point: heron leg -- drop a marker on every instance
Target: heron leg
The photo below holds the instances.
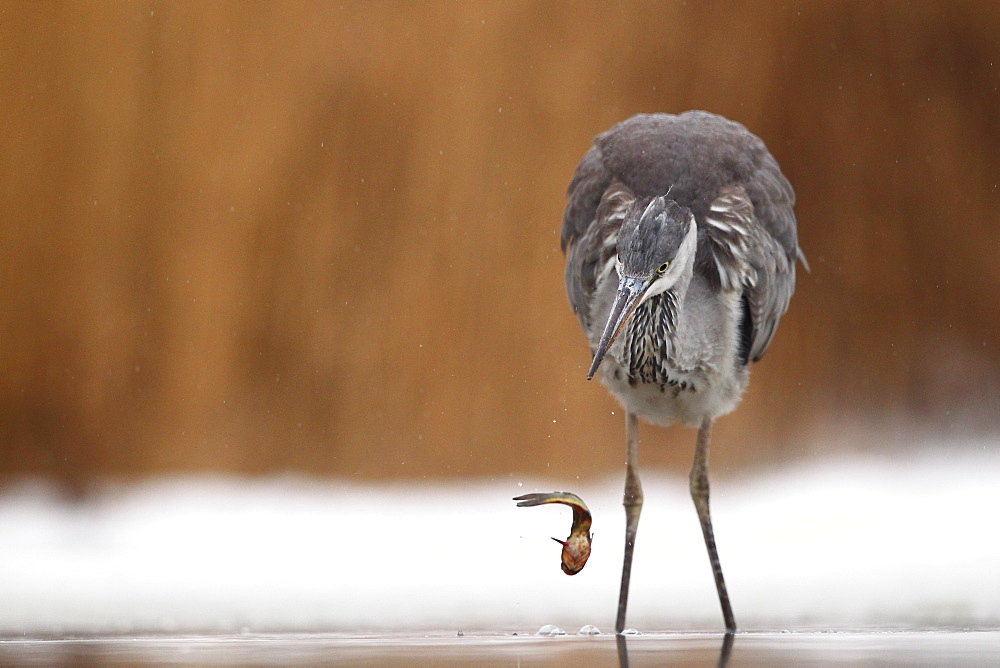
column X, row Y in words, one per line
column 699, row 492
column 633, row 506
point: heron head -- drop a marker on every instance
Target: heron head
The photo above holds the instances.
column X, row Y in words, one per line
column 656, row 247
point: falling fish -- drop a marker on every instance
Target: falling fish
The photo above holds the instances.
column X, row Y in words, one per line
column 576, row 548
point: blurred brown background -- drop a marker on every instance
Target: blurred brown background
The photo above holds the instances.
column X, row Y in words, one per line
column 324, row 237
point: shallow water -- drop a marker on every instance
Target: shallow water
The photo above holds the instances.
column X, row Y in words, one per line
column 839, row 648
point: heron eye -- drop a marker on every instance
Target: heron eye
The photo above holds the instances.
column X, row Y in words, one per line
column 662, row 268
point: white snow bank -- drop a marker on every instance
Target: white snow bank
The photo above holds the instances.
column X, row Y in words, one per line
column 844, row 543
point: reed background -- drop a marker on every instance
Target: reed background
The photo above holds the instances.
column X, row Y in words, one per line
column 324, row 237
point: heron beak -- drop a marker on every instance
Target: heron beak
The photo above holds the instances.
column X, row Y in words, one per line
column 630, row 292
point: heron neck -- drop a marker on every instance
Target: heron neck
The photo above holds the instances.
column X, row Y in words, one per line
column 650, row 339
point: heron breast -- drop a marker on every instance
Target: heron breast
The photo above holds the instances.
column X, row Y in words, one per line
column 649, row 346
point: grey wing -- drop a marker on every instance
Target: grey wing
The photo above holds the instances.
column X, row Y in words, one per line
column 581, row 231
column 751, row 247
column 772, row 253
